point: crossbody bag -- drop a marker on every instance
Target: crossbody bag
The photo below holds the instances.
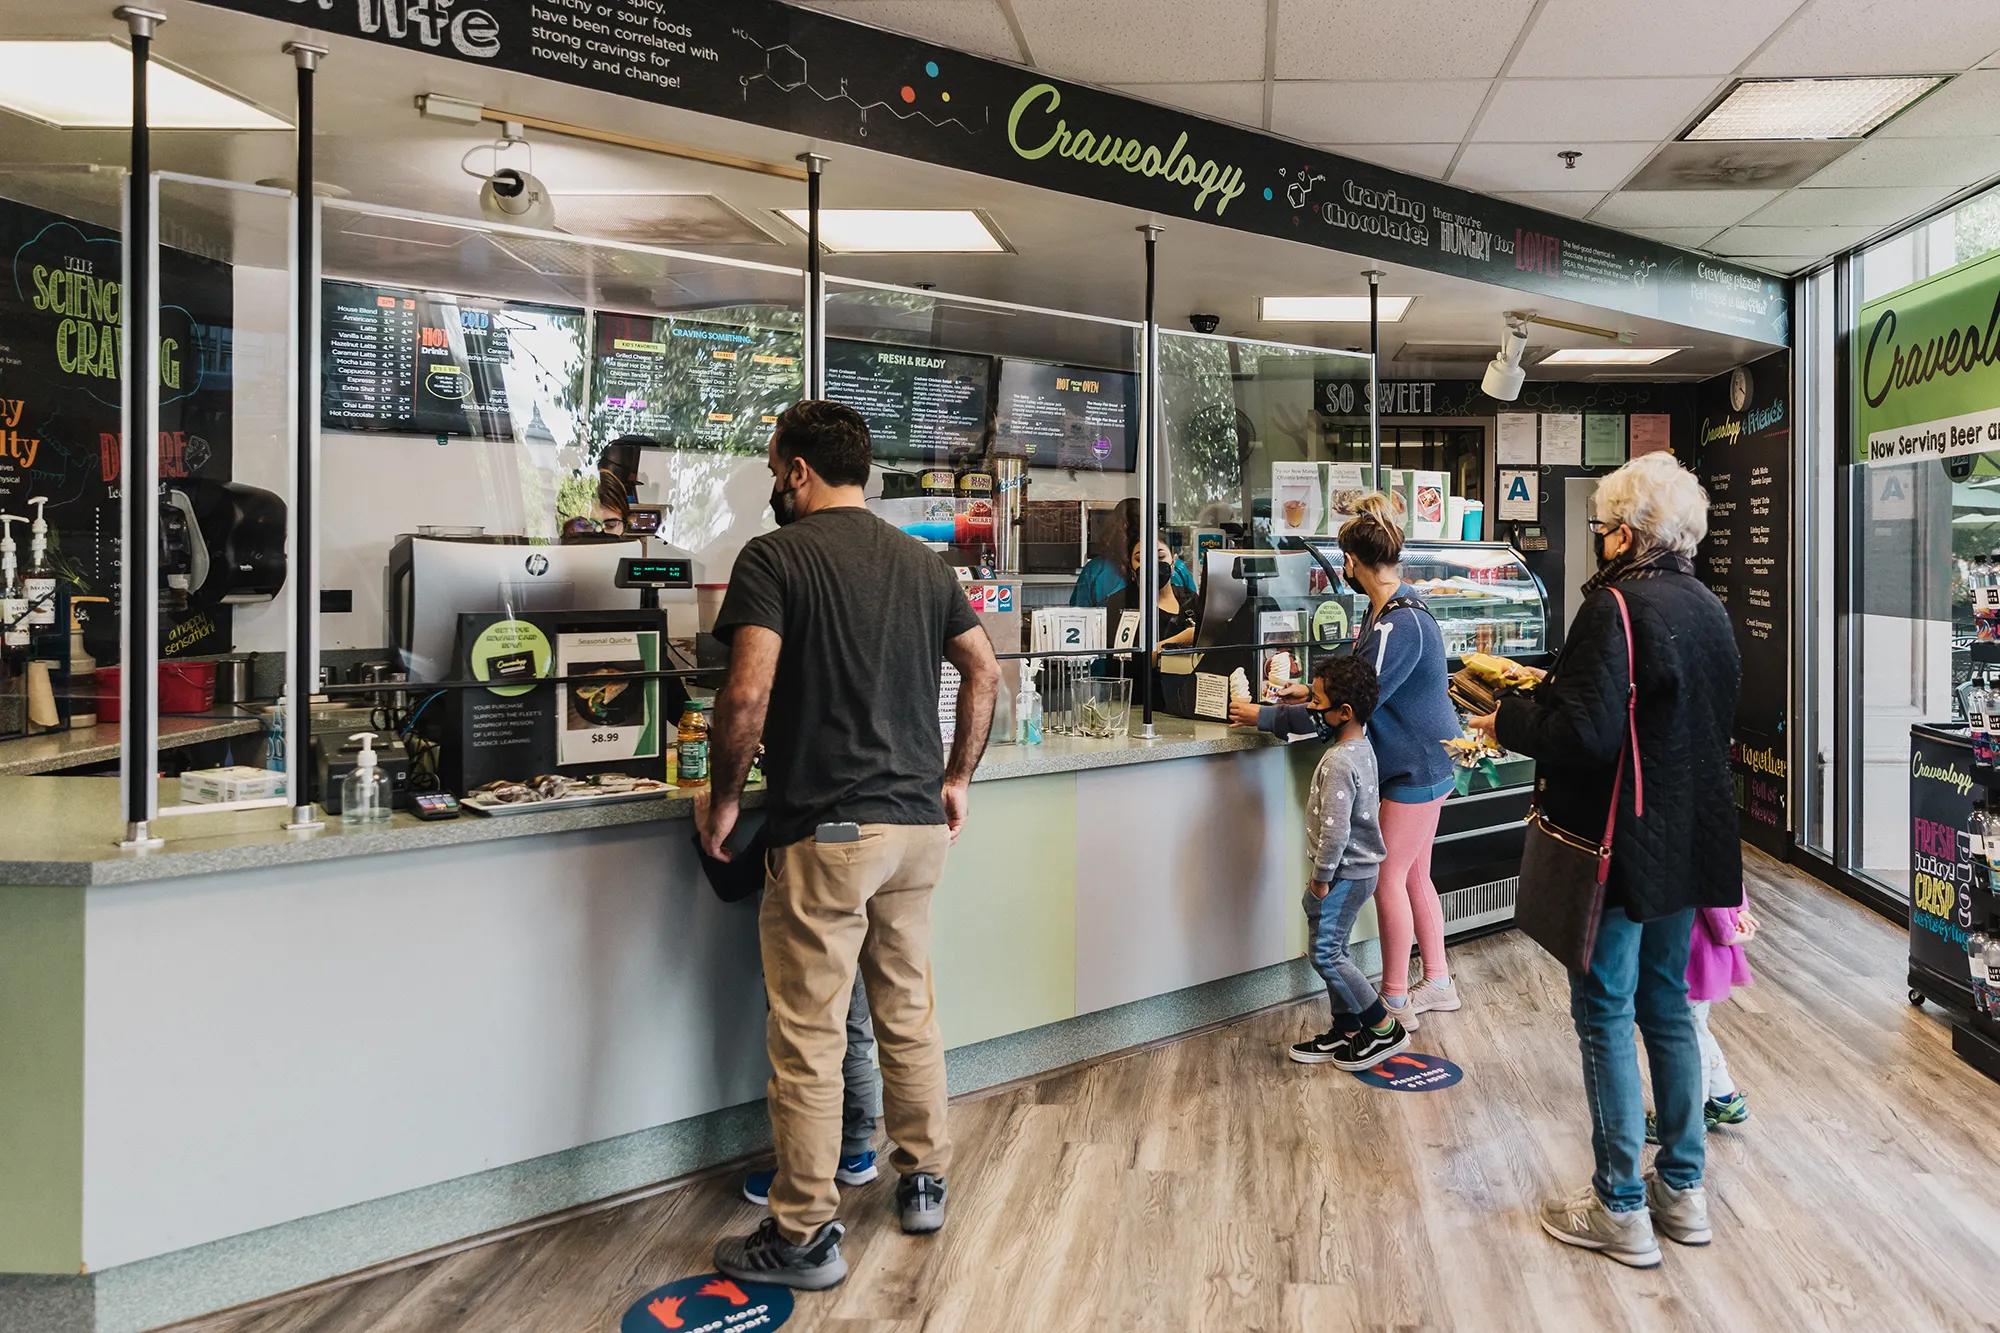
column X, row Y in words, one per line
column 1561, row 899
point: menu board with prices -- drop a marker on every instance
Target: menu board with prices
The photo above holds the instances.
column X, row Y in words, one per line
column 693, row 383
column 1745, row 465
column 1067, row 416
column 920, row 405
column 432, row 363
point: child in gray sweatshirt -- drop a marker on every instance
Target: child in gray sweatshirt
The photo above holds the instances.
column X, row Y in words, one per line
column 1344, row 842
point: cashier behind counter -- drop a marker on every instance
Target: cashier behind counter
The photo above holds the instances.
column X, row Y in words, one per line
column 1176, row 613
column 1106, row 575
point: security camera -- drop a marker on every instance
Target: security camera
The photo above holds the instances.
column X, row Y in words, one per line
column 1504, row 376
column 515, row 196
column 1204, row 323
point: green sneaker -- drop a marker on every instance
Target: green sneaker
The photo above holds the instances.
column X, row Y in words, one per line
column 1731, row 1110
column 1653, row 1129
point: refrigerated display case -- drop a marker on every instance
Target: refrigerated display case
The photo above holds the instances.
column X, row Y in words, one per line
column 1485, row 599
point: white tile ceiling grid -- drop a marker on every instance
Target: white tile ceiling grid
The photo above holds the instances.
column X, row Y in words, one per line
column 1486, row 93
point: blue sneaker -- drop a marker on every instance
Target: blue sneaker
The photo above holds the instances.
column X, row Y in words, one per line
column 856, row 1170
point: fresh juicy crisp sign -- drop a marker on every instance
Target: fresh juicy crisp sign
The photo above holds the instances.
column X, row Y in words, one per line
column 1929, row 359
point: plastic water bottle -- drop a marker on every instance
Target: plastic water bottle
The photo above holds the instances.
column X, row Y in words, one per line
column 1978, row 700
column 1980, row 835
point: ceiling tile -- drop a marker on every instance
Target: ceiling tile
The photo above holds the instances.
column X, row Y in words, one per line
column 1736, row 164
column 1240, row 102
column 1570, row 203
column 1367, row 39
column 1494, row 167
column 1375, row 112
column 1850, row 207
column 1954, row 162
column 1536, row 110
column 1153, row 41
column 1425, row 159
column 1884, row 37
column 1594, row 38
column 1969, row 104
column 1681, row 208
column 1692, row 237
column 967, row 25
column 1789, row 240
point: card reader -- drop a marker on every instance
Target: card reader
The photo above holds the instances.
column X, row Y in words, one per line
column 429, row 805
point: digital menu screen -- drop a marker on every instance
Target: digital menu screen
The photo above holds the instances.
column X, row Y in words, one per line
column 1067, row 416
column 432, row 363
column 921, row 405
column 692, row 383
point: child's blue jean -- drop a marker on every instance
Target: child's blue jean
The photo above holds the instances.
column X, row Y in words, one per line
column 1329, row 922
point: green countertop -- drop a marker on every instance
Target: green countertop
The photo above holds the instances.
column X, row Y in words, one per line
column 64, row 830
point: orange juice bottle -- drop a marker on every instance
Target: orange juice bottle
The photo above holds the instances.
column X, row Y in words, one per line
column 691, row 754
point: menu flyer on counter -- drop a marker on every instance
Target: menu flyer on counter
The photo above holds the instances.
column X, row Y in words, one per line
column 618, row 718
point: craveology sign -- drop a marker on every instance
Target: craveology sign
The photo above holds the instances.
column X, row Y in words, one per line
column 817, row 75
column 1930, row 367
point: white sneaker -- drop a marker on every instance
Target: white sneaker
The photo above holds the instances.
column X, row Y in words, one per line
column 1407, row 1015
column 1582, row 1220
column 1427, row 995
column 1679, row 1215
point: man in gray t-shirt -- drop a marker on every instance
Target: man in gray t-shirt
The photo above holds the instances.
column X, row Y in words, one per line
column 838, row 626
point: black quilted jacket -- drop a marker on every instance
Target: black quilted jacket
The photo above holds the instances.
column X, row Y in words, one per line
column 1684, row 852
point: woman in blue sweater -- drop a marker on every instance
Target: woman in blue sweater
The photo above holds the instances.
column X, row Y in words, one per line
column 1412, row 720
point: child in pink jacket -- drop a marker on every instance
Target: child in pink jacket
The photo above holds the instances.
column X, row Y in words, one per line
column 1716, row 965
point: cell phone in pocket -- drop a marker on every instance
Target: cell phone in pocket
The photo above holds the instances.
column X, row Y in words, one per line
column 837, row 833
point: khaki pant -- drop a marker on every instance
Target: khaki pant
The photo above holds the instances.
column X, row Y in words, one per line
column 827, row 907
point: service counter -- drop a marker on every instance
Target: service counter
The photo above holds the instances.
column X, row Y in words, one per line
column 254, row 1059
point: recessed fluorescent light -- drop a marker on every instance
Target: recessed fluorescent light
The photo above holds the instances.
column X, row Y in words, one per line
column 1810, row 108
column 86, row 85
column 860, row 231
column 1607, row 356
column 1328, row 309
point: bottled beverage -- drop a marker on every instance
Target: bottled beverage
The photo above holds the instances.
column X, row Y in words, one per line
column 691, row 751
column 1978, row 700
column 1980, row 835
column 364, row 792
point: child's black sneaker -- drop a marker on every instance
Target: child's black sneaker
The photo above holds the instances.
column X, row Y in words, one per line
column 1317, row 1050
column 1367, row 1048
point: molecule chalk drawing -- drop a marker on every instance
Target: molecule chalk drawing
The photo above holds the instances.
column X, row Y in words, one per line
column 786, row 70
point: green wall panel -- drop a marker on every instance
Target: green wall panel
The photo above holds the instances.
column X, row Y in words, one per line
column 41, row 1080
column 1003, row 925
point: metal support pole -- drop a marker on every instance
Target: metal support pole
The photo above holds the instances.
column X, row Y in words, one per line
column 305, row 573
column 815, row 385
column 1149, row 487
column 1374, row 276
column 1848, row 477
column 142, row 458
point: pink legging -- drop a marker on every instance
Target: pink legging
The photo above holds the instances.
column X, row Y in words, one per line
column 1406, row 902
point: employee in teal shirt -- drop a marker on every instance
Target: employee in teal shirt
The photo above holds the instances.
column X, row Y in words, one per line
column 1105, row 576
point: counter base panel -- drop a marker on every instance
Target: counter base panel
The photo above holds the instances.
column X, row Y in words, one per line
column 232, row 1271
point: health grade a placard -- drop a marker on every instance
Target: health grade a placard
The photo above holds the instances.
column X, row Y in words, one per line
column 615, row 718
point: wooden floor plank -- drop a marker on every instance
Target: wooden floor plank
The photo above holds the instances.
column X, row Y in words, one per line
column 1212, row 1184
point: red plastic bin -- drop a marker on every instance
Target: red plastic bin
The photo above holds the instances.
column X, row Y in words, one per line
column 185, row 687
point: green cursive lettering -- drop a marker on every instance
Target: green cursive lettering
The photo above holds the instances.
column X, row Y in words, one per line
column 1021, row 104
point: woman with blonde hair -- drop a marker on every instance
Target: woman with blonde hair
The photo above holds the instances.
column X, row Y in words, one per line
column 1639, row 707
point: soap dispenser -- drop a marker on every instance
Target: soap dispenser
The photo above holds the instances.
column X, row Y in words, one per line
column 364, row 793
column 40, row 583
column 13, row 596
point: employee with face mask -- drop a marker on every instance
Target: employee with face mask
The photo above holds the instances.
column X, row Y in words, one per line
column 1174, row 608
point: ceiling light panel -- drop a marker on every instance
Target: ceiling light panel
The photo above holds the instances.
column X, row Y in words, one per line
column 1608, row 356
column 85, row 86
column 1328, row 309
column 860, row 231
column 1810, row 108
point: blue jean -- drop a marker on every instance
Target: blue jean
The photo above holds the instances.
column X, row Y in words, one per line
column 1329, row 923
column 1639, row 972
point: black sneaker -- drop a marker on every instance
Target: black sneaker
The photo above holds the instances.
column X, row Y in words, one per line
column 920, row 1200
column 1367, row 1048
column 1317, row 1050
column 766, row 1256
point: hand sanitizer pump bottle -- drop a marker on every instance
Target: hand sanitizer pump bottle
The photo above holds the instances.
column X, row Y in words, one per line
column 40, row 583
column 364, row 793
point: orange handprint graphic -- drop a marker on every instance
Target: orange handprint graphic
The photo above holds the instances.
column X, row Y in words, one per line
column 726, row 1289
column 667, row 1309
